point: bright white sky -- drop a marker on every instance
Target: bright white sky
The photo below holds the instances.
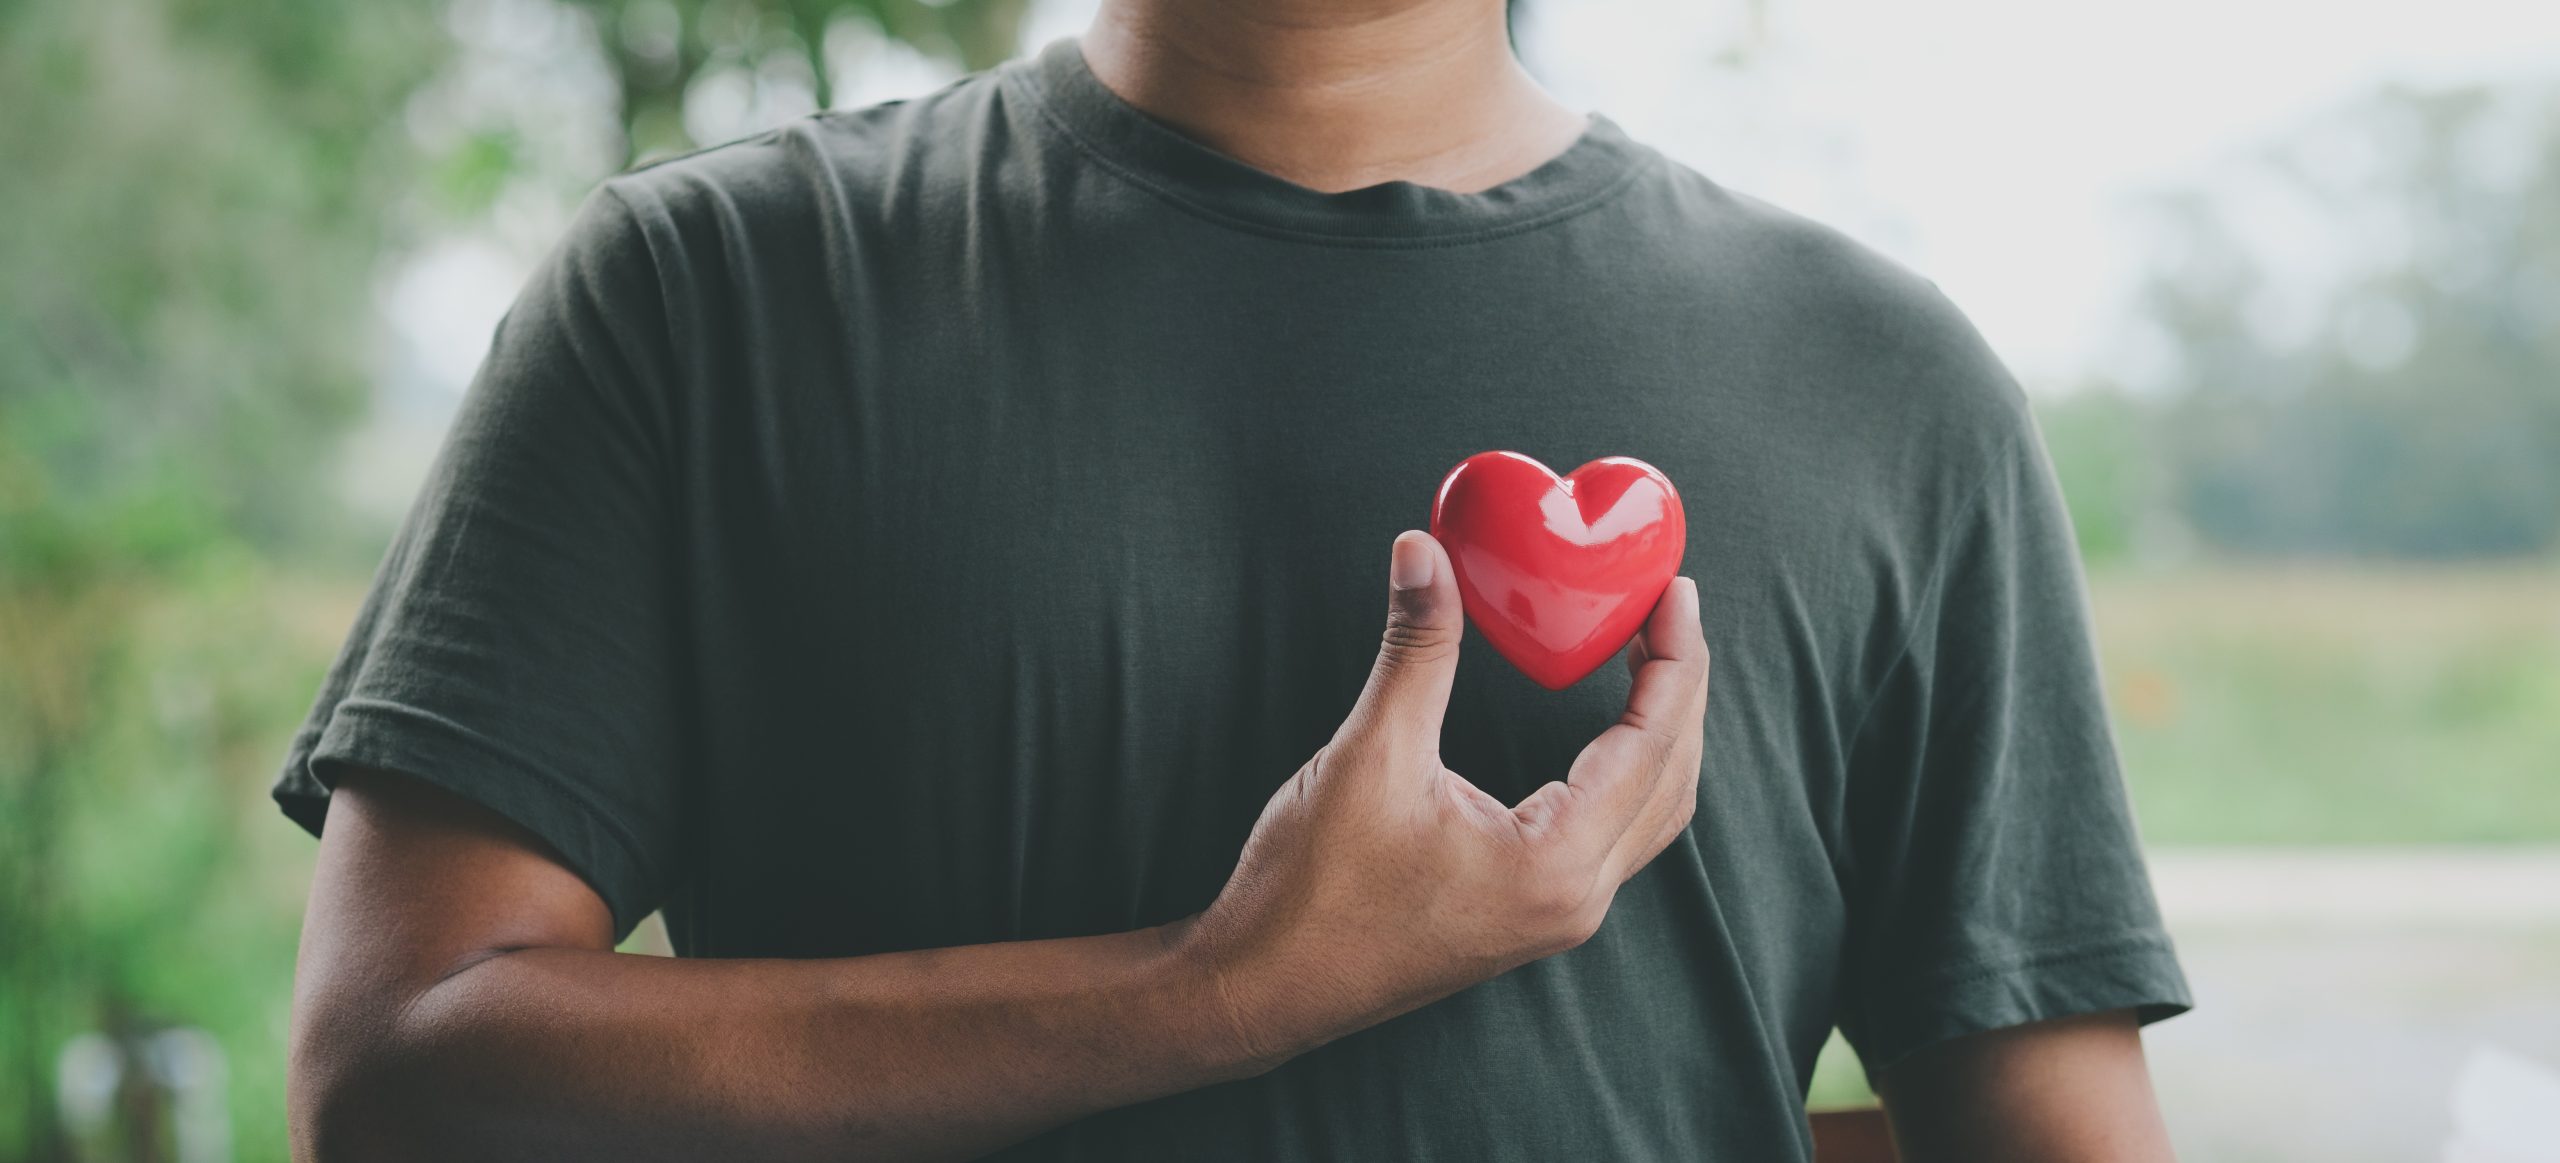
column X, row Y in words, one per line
column 1994, row 145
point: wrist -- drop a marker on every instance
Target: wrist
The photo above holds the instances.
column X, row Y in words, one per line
column 1211, row 982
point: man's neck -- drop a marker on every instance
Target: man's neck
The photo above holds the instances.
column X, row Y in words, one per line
column 1336, row 94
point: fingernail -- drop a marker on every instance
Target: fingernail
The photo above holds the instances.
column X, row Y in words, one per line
column 1691, row 586
column 1410, row 566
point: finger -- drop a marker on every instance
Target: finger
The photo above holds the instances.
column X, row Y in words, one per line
column 1672, row 679
column 1635, row 654
column 1408, row 689
column 1675, row 801
column 1618, row 774
column 1665, row 816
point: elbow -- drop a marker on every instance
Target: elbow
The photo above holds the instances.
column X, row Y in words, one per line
column 328, row 1120
column 336, row 1100
column 347, row 1094
column 373, row 1072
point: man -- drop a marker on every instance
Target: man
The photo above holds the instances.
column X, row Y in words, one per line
column 915, row 548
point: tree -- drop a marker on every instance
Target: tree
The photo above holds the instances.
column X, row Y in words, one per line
column 658, row 47
column 2364, row 315
column 201, row 194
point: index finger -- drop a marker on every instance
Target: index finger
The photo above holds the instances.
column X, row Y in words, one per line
column 1614, row 777
column 1673, row 672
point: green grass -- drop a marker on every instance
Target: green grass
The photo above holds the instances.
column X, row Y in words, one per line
column 2337, row 707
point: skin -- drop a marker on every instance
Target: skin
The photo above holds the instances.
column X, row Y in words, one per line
column 1337, row 94
column 2070, row 1090
column 458, row 995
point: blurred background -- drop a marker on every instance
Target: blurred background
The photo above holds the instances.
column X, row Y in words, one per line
column 2283, row 276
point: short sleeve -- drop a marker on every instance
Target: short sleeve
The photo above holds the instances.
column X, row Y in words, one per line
column 520, row 644
column 1998, row 878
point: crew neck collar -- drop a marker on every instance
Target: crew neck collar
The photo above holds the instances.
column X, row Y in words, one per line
column 1209, row 183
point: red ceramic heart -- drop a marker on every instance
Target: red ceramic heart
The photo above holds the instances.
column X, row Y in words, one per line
column 1559, row 572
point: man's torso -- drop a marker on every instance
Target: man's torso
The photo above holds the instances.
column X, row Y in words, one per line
column 1034, row 520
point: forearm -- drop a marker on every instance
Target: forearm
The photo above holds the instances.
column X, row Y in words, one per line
column 457, row 996
column 553, row 1052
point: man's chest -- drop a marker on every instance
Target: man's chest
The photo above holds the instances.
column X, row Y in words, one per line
column 1010, row 624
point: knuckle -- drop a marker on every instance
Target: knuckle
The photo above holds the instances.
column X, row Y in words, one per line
column 1578, row 927
column 1415, row 639
column 1564, row 910
column 1662, row 748
column 1688, row 732
column 1556, row 903
column 1550, row 868
column 1311, row 774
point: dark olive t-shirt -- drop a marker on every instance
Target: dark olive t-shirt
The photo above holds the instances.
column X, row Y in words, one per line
column 949, row 521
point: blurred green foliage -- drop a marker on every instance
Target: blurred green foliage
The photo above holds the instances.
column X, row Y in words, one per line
column 657, row 47
column 190, row 227
column 2402, row 405
column 193, row 216
column 202, row 194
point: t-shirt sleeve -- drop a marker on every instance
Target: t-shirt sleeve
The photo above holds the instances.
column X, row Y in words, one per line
column 1998, row 877
column 520, row 644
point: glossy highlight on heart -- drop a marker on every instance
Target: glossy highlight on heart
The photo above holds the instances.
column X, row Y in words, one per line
column 1559, row 572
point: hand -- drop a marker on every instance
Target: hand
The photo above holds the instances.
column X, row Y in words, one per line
column 1378, row 880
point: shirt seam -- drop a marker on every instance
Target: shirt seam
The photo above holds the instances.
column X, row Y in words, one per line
column 1040, row 100
column 661, row 236
column 2114, row 944
column 642, row 224
column 394, row 711
column 1939, row 997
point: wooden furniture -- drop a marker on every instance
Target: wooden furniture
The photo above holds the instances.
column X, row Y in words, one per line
column 1852, row 1135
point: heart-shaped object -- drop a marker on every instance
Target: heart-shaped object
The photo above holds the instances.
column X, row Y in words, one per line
column 1559, row 572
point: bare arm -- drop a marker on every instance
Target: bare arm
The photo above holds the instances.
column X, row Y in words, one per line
column 458, row 996
column 2071, row 1090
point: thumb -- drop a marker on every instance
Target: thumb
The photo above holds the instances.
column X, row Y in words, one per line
column 1408, row 688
